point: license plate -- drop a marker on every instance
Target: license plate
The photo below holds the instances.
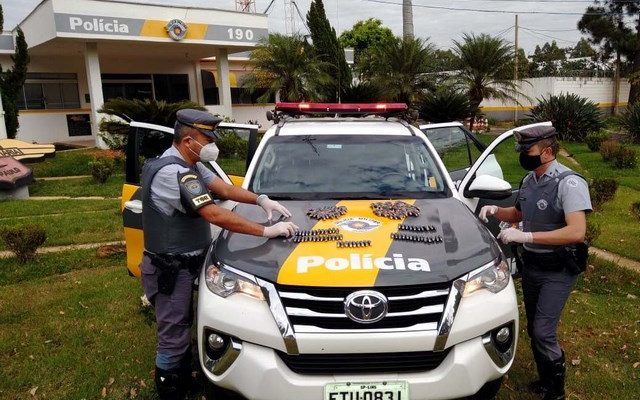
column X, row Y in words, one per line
column 367, row 391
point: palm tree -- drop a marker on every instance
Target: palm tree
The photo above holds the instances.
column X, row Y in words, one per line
column 485, row 70
column 407, row 19
column 286, row 66
column 401, row 69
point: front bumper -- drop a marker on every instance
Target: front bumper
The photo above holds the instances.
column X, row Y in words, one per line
column 257, row 372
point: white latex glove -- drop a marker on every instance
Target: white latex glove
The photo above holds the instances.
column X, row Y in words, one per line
column 487, row 211
column 513, row 235
column 280, row 229
column 269, row 206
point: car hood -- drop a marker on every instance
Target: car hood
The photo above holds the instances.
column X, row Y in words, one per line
column 466, row 245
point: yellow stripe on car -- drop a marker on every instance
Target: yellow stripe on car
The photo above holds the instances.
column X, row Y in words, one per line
column 323, row 264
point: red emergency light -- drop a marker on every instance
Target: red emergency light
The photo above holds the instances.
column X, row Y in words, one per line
column 341, row 108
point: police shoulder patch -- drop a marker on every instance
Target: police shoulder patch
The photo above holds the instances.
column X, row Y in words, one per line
column 193, row 190
column 572, row 182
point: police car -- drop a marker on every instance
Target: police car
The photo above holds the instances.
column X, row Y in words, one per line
column 392, row 290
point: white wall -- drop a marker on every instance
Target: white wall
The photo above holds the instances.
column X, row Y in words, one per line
column 47, row 127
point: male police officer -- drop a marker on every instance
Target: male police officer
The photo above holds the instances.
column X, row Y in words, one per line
column 552, row 204
column 177, row 210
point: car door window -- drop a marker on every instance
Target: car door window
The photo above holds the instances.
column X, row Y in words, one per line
column 503, row 163
column 454, row 147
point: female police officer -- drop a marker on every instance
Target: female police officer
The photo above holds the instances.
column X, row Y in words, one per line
column 177, row 210
column 551, row 204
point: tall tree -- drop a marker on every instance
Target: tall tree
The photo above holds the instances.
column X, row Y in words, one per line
column 582, row 49
column 286, row 66
column 365, row 35
column 401, row 69
column 614, row 25
column 12, row 80
column 547, row 60
column 325, row 42
column 407, row 19
column 486, row 70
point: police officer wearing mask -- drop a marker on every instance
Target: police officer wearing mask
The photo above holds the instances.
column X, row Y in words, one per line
column 178, row 208
column 552, row 205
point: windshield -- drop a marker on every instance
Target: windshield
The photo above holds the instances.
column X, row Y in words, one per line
column 347, row 166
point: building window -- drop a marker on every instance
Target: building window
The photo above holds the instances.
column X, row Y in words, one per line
column 49, row 91
column 168, row 87
column 239, row 95
column 209, row 88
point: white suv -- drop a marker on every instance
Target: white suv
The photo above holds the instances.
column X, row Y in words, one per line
column 393, row 290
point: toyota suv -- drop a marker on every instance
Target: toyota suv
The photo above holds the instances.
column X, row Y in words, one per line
column 393, row 289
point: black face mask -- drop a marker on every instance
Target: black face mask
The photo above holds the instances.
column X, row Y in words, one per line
column 530, row 162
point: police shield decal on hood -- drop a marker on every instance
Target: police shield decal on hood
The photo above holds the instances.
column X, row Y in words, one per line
column 466, row 245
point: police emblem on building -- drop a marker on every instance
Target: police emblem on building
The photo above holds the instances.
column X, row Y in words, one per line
column 176, row 29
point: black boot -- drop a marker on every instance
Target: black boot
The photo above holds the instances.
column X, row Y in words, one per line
column 539, row 386
column 555, row 386
column 170, row 384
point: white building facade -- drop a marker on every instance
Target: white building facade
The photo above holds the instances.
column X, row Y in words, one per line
column 84, row 52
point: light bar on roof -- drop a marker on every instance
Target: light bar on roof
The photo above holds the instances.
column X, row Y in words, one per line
column 341, row 108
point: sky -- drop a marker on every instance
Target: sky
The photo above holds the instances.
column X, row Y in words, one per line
column 441, row 26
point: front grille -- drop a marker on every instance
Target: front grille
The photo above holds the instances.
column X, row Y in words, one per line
column 309, row 364
column 318, row 309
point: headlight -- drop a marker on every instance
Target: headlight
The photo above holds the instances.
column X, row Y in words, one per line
column 225, row 283
column 493, row 277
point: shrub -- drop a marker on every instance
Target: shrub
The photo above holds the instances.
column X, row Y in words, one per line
column 573, row 116
column 102, row 168
column 625, row 157
column 608, row 149
column 593, row 231
column 629, row 121
column 602, row 190
column 231, row 145
column 445, row 105
column 595, row 139
column 24, row 240
column 635, row 209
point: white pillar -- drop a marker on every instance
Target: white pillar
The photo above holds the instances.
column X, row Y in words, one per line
column 3, row 127
column 94, row 81
column 224, row 88
column 199, row 91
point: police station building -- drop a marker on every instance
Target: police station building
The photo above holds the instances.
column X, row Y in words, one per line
column 84, row 52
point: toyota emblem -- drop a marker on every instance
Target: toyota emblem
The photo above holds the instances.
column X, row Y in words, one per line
column 365, row 306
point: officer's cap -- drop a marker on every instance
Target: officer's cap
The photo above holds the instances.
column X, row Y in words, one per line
column 200, row 120
column 529, row 136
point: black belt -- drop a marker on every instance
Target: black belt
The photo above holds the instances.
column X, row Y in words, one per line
column 169, row 266
column 543, row 261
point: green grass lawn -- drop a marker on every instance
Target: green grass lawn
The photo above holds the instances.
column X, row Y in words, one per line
column 620, row 230
column 78, row 187
column 82, row 334
column 595, row 167
column 66, row 221
column 66, row 163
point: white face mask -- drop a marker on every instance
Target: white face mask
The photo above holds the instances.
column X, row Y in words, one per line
column 208, row 152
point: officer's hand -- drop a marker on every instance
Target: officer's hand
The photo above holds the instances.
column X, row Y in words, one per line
column 513, row 235
column 487, row 211
column 269, row 206
column 280, row 229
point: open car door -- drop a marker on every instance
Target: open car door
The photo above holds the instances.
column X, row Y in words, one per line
column 457, row 147
column 494, row 179
column 148, row 141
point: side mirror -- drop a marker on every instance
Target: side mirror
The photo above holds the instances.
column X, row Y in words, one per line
column 488, row 187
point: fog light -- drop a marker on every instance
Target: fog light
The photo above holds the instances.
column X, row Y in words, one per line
column 503, row 335
column 216, row 342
